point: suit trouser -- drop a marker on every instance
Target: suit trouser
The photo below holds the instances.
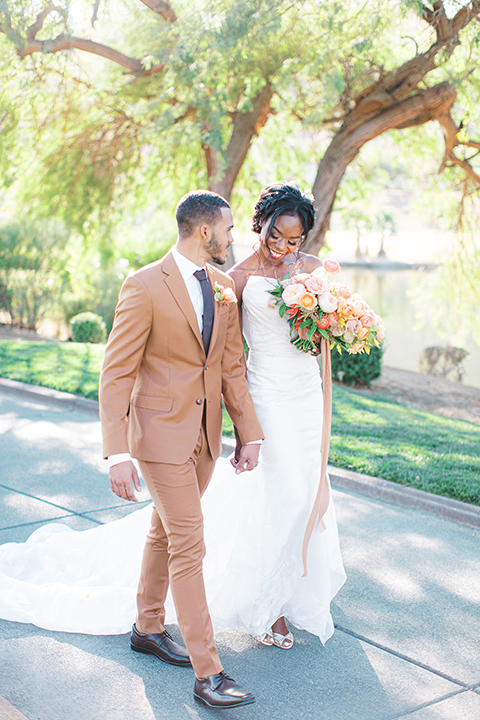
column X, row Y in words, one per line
column 174, row 553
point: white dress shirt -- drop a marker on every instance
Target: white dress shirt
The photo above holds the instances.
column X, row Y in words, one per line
column 187, row 268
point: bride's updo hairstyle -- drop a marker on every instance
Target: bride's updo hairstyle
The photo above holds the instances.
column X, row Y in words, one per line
column 283, row 199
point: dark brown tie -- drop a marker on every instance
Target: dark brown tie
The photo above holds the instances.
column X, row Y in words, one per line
column 208, row 308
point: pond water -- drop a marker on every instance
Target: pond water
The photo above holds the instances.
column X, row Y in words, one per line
column 389, row 293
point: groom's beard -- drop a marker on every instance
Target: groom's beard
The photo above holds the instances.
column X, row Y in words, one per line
column 214, row 249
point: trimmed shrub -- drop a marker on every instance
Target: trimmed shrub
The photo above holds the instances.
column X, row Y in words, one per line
column 88, row 327
column 358, row 369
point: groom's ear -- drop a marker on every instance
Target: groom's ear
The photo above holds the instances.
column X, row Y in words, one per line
column 204, row 229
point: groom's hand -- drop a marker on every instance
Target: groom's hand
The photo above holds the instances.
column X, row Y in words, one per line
column 123, row 478
column 247, row 458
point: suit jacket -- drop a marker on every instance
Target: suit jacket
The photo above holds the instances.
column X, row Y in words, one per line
column 156, row 379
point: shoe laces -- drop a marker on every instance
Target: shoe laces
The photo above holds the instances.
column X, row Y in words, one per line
column 224, row 676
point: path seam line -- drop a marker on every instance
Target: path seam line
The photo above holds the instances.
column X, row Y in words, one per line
column 402, row 656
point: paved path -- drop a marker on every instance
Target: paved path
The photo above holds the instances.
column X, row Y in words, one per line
column 407, row 643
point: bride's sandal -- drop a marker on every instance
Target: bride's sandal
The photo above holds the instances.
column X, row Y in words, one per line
column 285, row 642
column 266, row 639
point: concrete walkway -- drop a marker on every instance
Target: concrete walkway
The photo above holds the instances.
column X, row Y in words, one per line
column 407, row 643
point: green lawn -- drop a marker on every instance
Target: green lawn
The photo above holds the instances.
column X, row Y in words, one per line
column 373, row 435
column 377, row 436
column 71, row 367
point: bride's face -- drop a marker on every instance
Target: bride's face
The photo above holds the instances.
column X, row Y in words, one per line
column 282, row 238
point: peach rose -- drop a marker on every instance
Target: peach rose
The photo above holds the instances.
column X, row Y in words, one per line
column 316, row 284
column 331, row 266
column 300, row 278
column 345, row 308
column 381, row 333
column 336, row 330
column 359, row 306
column 292, row 294
column 334, row 319
column 308, row 301
column 344, row 291
column 362, row 333
column 368, row 319
column 327, row 302
column 353, row 325
column 348, row 336
column 229, row 295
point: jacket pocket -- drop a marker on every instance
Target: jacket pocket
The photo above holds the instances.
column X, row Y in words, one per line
column 153, row 402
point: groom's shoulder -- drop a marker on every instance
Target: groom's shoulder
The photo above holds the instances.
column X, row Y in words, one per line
column 219, row 276
column 154, row 270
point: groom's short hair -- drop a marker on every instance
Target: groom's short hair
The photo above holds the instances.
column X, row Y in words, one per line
column 196, row 207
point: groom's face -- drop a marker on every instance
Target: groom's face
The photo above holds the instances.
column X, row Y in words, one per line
column 220, row 237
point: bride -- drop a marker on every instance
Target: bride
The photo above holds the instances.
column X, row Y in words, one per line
column 254, row 526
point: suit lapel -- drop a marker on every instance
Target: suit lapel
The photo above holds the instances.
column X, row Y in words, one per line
column 177, row 287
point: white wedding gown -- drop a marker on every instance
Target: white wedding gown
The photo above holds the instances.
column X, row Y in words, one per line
column 61, row 579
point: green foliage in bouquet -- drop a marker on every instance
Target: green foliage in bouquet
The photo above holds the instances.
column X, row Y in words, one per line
column 88, row 328
column 358, row 369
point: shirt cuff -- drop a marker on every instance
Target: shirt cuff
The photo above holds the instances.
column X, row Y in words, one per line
column 118, row 458
column 254, row 442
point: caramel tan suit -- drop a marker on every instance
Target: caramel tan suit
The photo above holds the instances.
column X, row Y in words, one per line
column 161, row 400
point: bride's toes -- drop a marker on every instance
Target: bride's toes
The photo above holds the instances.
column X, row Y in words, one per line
column 285, row 642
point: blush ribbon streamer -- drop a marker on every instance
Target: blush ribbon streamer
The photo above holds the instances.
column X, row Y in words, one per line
column 322, row 498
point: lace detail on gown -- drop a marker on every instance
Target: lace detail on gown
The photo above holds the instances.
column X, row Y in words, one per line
column 254, row 523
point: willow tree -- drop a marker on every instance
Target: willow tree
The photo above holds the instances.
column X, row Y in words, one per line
column 185, row 88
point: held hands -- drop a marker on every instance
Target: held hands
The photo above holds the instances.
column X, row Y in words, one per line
column 245, row 458
column 123, row 478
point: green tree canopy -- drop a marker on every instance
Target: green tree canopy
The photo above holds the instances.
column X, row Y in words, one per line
column 108, row 104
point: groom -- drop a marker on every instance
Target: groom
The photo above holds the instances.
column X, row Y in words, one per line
column 174, row 352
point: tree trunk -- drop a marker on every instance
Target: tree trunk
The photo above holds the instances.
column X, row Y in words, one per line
column 222, row 175
column 418, row 109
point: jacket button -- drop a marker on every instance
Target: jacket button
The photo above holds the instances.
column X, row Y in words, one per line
column 206, row 367
column 198, row 401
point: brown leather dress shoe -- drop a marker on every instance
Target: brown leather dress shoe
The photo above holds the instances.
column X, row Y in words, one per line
column 221, row 691
column 161, row 645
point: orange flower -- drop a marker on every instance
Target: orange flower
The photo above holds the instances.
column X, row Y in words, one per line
column 323, row 323
column 308, row 301
column 345, row 308
column 358, row 347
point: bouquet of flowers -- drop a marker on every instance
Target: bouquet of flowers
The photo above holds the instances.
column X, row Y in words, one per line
column 316, row 308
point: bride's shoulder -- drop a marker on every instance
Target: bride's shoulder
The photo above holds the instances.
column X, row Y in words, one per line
column 247, row 265
column 308, row 263
column 240, row 273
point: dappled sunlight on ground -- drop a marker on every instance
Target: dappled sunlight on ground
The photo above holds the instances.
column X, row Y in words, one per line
column 412, row 582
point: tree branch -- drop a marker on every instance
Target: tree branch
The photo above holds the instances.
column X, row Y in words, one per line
column 464, row 16
column 68, row 42
column 425, row 105
column 95, row 12
column 161, row 8
column 447, row 30
column 38, row 24
column 450, row 133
